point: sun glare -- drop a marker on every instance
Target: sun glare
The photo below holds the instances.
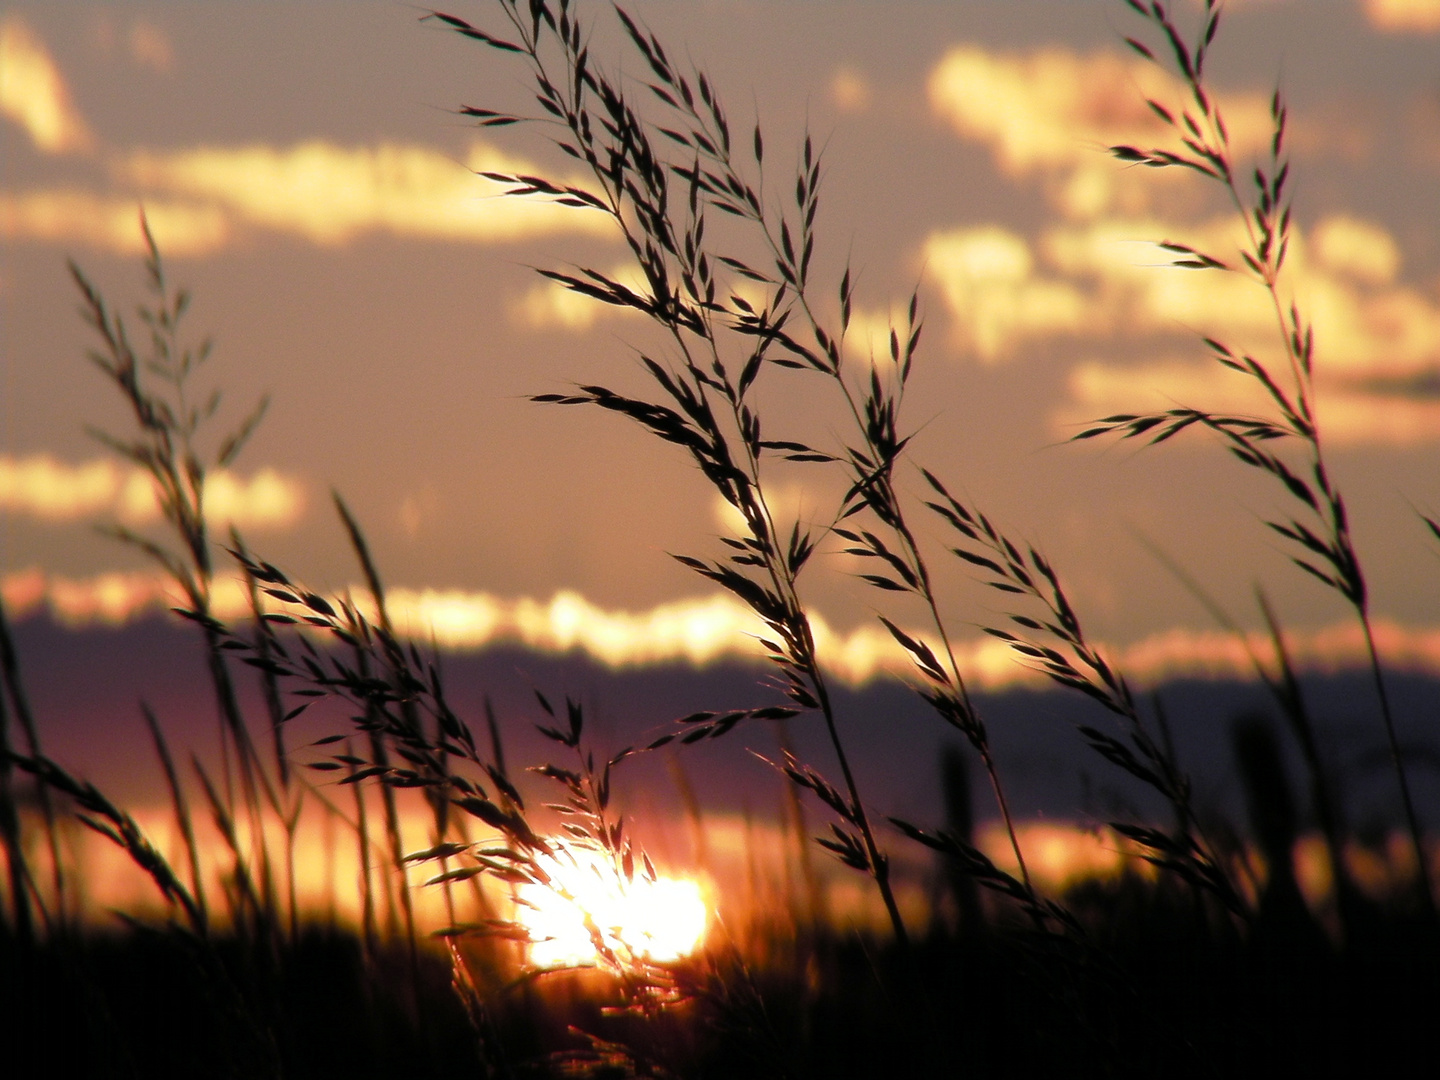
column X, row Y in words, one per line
column 658, row 920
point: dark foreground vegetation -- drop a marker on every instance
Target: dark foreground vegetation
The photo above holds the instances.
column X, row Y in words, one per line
column 1158, row 996
column 1210, row 962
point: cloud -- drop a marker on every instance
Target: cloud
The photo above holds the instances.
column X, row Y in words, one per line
column 46, row 489
column 111, row 599
column 1357, row 249
column 788, row 502
column 1050, row 108
column 1404, row 16
column 988, row 278
column 150, row 48
column 1099, row 388
column 1348, row 415
column 869, row 333
column 1343, row 276
column 112, row 222
column 705, row 630
column 1055, row 112
column 267, row 500
column 549, row 305
column 53, row 491
column 33, row 93
column 1377, row 337
column 332, row 194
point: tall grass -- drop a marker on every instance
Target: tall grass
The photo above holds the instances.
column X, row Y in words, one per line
column 1319, row 527
column 658, row 178
column 1129, row 977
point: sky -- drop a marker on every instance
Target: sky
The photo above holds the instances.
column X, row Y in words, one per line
column 306, row 174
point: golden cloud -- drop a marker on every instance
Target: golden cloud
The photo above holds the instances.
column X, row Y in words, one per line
column 1375, row 335
column 1356, row 249
column 1130, row 287
column 705, row 630
column 33, row 93
column 1348, row 416
column 788, row 502
column 988, row 278
column 869, row 332
column 1056, row 112
column 331, row 194
column 1098, row 388
column 549, row 305
column 51, row 490
column 112, row 223
column 1404, row 16
column 1050, row 108
column 1366, row 324
column 1377, row 340
column 267, row 500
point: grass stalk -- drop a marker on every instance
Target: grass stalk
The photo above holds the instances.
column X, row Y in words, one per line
column 604, row 129
column 362, row 838
column 14, row 690
column 379, row 749
column 181, row 810
column 16, row 864
column 1320, row 532
column 1424, row 891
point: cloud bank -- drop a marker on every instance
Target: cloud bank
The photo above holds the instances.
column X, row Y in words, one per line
column 706, row 630
column 44, row 488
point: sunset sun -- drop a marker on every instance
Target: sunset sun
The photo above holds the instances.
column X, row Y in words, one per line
column 658, row 920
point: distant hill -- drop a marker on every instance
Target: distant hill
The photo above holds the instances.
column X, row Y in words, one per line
column 86, row 685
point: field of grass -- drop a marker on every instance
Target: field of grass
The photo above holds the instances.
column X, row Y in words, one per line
column 393, row 893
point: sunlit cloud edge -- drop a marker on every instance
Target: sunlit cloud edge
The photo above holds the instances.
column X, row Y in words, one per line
column 705, row 630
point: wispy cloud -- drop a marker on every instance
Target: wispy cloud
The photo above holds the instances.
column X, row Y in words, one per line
column 42, row 487
column 33, row 93
column 112, row 223
column 1404, row 16
column 203, row 200
column 332, row 194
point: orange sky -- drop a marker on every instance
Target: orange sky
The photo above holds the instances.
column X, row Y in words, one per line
column 304, row 172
